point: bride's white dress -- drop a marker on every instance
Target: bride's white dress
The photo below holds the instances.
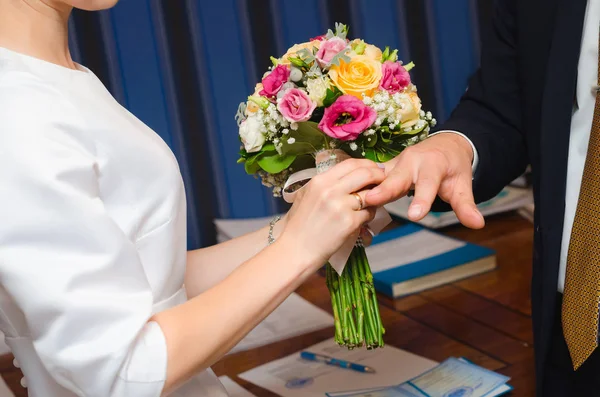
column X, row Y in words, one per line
column 92, row 237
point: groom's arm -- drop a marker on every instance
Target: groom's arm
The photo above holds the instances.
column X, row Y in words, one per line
column 489, row 113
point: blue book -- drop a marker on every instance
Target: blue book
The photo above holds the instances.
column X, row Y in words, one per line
column 412, row 258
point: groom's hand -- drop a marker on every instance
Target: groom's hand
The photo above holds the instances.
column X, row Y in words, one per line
column 438, row 166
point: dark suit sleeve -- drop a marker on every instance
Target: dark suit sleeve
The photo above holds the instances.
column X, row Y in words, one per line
column 489, row 112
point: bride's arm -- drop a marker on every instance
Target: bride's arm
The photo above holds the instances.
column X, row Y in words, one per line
column 208, row 266
column 206, row 327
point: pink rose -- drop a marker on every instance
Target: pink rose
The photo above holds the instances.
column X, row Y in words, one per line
column 347, row 118
column 273, row 82
column 330, row 49
column 395, row 78
column 295, row 105
column 320, row 38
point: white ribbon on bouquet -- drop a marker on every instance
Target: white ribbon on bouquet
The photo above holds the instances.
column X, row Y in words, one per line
column 381, row 220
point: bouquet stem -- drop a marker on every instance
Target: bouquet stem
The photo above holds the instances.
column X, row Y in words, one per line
column 354, row 302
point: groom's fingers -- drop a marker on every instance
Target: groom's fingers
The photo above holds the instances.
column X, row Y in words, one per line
column 426, row 190
column 396, row 184
column 463, row 204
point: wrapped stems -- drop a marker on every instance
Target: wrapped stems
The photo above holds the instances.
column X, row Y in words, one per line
column 354, row 302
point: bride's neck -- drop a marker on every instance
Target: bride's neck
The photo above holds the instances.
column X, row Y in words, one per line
column 38, row 28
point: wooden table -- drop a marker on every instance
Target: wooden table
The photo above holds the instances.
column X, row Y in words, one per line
column 485, row 318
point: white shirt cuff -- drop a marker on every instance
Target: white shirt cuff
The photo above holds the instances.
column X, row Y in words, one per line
column 475, row 155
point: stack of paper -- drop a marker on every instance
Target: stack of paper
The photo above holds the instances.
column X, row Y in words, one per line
column 453, row 377
column 509, row 199
column 412, row 258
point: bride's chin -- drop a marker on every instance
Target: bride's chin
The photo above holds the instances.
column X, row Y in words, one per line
column 92, row 5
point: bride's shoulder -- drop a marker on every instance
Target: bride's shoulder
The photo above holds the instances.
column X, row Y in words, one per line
column 31, row 107
column 25, row 92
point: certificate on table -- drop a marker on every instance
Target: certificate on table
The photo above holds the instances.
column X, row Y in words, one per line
column 455, row 377
column 292, row 376
column 452, row 378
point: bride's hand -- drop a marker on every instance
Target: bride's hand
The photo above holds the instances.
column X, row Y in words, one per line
column 325, row 212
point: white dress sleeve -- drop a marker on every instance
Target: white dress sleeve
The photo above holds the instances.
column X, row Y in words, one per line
column 64, row 261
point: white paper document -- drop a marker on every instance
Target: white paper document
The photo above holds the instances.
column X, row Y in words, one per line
column 233, row 389
column 295, row 316
column 294, row 377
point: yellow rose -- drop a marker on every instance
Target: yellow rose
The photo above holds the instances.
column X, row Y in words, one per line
column 292, row 52
column 359, row 76
column 410, row 109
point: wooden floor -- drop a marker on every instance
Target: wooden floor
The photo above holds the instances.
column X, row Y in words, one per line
column 485, row 318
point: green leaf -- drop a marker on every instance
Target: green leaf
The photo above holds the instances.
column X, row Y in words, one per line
column 269, row 147
column 385, row 54
column 331, row 96
column 298, row 62
column 251, row 167
column 373, row 140
column 274, row 163
column 370, row 154
column 303, row 162
column 411, row 132
column 384, row 156
column 308, row 139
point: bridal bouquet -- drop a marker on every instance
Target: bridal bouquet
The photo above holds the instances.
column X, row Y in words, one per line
column 324, row 100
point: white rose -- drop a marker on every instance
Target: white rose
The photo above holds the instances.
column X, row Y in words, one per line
column 251, row 136
column 317, row 89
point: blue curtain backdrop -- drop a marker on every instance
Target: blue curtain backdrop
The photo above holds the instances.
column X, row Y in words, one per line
column 183, row 66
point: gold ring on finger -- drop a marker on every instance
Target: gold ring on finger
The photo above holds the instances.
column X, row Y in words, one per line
column 361, row 204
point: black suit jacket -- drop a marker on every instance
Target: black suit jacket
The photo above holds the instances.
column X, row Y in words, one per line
column 517, row 111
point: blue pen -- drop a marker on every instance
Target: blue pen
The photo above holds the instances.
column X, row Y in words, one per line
column 334, row 361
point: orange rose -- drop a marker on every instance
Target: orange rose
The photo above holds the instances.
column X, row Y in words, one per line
column 359, row 76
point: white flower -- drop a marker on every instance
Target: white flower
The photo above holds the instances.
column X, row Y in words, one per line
column 250, row 132
column 285, row 131
column 295, row 74
column 317, row 89
column 294, row 126
column 291, row 141
column 353, row 146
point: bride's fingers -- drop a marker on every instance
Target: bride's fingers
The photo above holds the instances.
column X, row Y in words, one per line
column 361, row 178
column 347, row 166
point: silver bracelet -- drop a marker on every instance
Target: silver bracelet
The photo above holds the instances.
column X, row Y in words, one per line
column 275, row 219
